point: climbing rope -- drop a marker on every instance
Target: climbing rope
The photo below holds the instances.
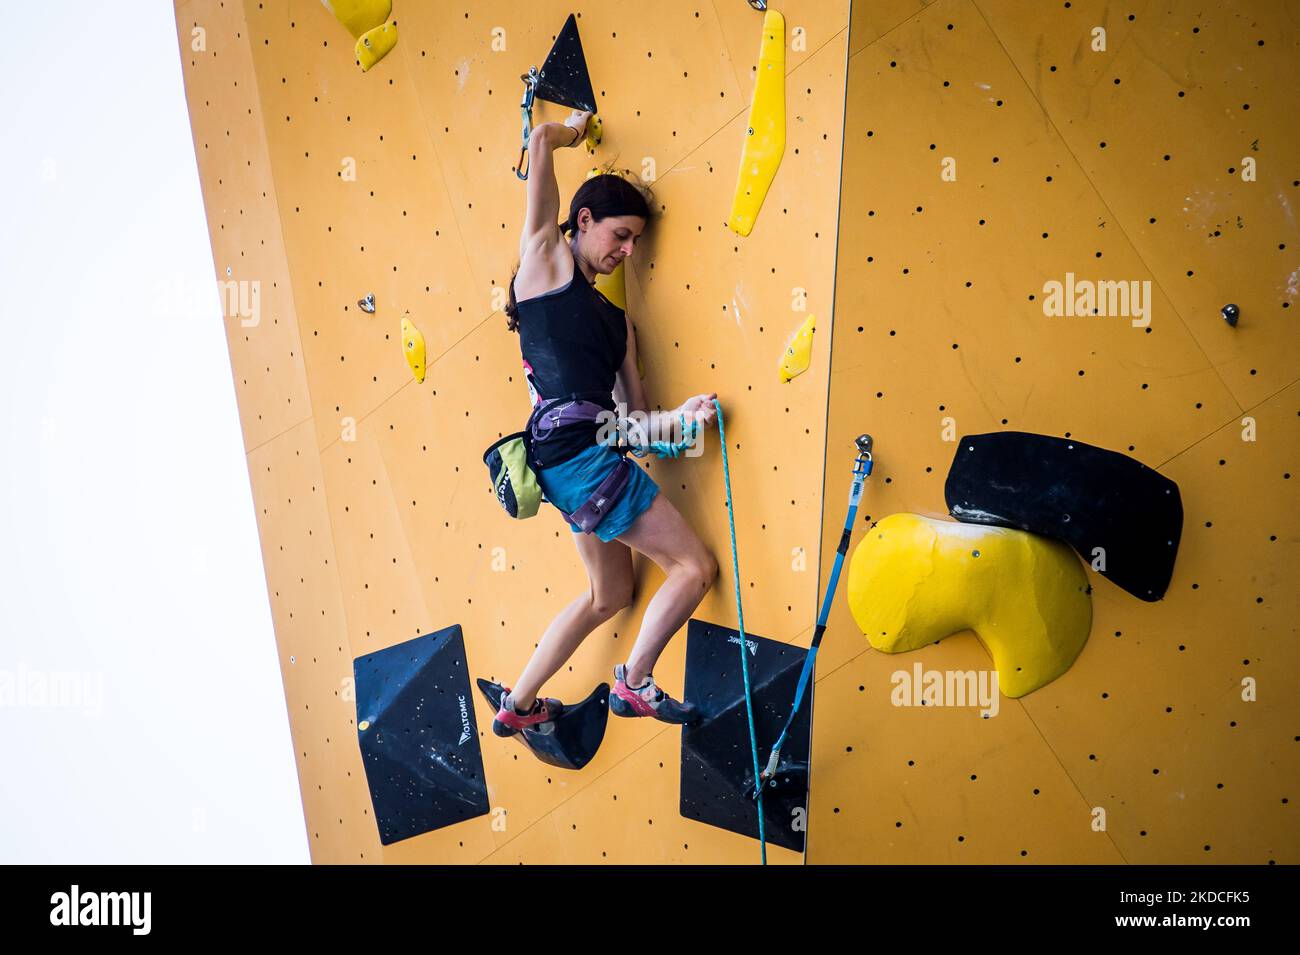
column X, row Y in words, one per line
column 740, row 617
column 664, row 449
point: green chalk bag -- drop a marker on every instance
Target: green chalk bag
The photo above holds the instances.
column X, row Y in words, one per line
column 513, row 477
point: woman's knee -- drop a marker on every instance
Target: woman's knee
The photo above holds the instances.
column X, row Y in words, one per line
column 609, row 599
column 711, row 570
column 704, row 568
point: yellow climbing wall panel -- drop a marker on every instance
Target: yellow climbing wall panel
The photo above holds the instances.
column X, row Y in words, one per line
column 1147, row 750
column 377, row 523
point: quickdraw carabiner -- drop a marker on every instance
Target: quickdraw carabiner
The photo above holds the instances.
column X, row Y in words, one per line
column 530, row 79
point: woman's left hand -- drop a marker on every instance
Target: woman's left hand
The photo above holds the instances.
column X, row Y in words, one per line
column 700, row 408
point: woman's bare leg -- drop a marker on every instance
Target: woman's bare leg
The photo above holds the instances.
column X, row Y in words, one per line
column 609, row 567
column 662, row 534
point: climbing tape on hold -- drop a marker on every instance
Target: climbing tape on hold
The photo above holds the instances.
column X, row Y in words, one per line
column 740, row 618
column 861, row 471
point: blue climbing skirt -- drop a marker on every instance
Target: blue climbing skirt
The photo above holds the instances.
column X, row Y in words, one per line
column 568, row 486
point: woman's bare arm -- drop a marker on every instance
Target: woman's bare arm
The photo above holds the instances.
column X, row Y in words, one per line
column 628, row 389
column 543, row 210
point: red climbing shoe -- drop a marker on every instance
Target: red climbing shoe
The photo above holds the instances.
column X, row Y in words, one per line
column 508, row 722
column 647, row 700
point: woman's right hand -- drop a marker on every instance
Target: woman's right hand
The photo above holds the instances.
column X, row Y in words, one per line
column 699, row 409
column 577, row 120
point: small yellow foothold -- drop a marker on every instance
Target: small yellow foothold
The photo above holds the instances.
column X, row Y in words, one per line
column 364, row 725
column 798, row 350
column 413, row 348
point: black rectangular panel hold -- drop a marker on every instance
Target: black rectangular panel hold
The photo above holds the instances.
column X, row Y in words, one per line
column 1124, row 518
column 717, row 760
column 418, row 736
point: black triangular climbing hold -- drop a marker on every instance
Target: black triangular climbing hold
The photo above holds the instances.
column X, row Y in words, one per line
column 564, row 78
column 1123, row 517
column 571, row 739
column 717, row 759
column 418, row 737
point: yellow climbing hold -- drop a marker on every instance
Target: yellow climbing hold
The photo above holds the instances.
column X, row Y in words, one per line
column 413, row 348
column 798, row 350
column 613, row 286
column 367, row 21
column 375, row 44
column 595, row 132
column 765, row 134
column 914, row 580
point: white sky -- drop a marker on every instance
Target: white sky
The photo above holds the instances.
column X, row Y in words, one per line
column 129, row 556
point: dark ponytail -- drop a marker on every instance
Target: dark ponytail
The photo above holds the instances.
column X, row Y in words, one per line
column 605, row 195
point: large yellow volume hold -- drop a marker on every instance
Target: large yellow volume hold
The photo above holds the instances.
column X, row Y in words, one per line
column 413, row 348
column 798, row 350
column 914, row 580
column 765, row 134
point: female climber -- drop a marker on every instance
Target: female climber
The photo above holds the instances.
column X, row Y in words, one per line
column 574, row 340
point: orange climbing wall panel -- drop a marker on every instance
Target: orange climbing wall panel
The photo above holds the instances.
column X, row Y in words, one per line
column 940, row 331
column 376, row 518
column 322, row 184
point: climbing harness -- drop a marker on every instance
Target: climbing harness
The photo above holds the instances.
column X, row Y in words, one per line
column 513, row 463
column 861, row 471
column 548, row 418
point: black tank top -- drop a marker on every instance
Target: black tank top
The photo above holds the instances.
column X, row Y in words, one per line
column 573, row 341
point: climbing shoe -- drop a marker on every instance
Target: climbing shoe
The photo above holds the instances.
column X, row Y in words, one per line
column 647, row 700
column 509, row 721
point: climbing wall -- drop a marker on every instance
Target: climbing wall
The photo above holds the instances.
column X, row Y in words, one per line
column 1166, row 156
column 322, row 184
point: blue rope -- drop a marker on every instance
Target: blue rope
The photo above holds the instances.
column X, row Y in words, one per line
column 670, row 449
column 740, row 616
